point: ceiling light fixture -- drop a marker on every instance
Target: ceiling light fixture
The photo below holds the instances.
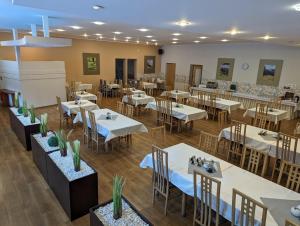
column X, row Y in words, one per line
column 174, row 42
column 296, row 7
column 147, row 43
column 85, row 35
column 149, row 36
column 196, row 41
column 98, row 34
column 137, row 41
column 234, row 31
column 128, row 37
column 117, row 32
column 98, row 22
column 267, row 37
column 153, row 40
column 97, row 7
column 76, row 27
column 175, row 39
column 143, row 29
column 224, row 40
column 183, row 23
column 59, row 29
column 114, row 38
column 176, row 34
column 203, row 37
column 126, row 40
column 156, row 43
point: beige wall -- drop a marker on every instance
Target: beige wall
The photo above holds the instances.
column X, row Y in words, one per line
column 72, row 56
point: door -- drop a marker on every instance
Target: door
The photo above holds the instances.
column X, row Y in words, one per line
column 195, row 75
column 120, row 69
column 131, row 69
column 170, row 75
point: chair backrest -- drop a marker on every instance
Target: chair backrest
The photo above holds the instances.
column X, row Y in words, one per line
column 93, row 124
column 149, row 91
column 254, row 160
column 129, row 96
column 227, row 95
column 84, row 119
column 180, row 100
column 293, row 171
column 261, row 121
column 206, row 194
column 208, row 142
column 129, row 110
column 99, row 98
column 286, row 147
column 222, row 119
column 158, row 135
column 248, row 210
column 238, row 132
column 160, row 170
column 261, row 108
column 120, row 107
column 276, row 103
column 297, row 129
column 201, row 100
column 167, row 111
column 212, row 101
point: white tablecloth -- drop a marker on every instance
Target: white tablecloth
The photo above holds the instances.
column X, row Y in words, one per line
column 71, row 108
column 134, row 91
column 264, row 143
column 84, row 86
column 120, row 125
column 223, row 104
column 86, row 96
column 176, row 93
column 113, row 86
column 270, row 194
column 149, row 85
column 139, row 100
column 183, row 112
column 274, row 116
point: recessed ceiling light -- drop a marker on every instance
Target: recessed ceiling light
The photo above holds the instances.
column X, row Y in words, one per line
column 126, row 40
column 114, row 38
column 98, row 22
column 156, row 43
column 117, row 32
column 59, row 29
column 153, row 40
column 296, row 7
column 224, row 40
column 203, row 37
column 128, row 37
column 234, row 31
column 137, row 41
column 143, row 29
column 175, row 39
column 176, row 34
column 76, row 27
column 196, row 41
column 85, row 35
column 149, row 36
column 267, row 37
column 147, row 42
column 97, row 7
column 174, row 42
column 98, row 34
column 183, row 23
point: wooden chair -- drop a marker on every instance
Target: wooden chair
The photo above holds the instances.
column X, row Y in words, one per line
column 159, row 110
column 297, row 129
column 187, row 87
column 227, row 95
column 160, row 178
column 293, row 172
column 63, row 116
column 180, row 100
column 99, row 99
column 129, row 111
column 247, row 209
column 149, row 91
column 209, row 189
column 276, row 103
column 237, row 141
column 168, row 117
column 261, row 108
column 208, row 143
column 158, row 135
column 85, row 128
column 261, row 121
column 286, row 150
column 201, row 100
column 255, row 161
column 95, row 136
column 222, row 119
column 120, row 107
column 290, row 223
column 211, row 106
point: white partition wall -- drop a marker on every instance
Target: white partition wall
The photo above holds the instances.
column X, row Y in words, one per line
column 38, row 81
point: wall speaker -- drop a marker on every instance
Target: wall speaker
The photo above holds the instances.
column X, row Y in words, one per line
column 161, row 51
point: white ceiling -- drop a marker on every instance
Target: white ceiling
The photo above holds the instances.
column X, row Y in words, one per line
column 210, row 18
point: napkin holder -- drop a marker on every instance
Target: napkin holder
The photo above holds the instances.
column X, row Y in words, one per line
column 201, row 165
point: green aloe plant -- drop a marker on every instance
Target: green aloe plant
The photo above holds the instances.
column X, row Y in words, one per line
column 16, row 100
column 118, row 184
column 75, row 150
column 44, row 124
column 32, row 114
column 62, row 138
column 25, row 109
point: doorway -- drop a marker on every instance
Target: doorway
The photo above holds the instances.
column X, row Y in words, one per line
column 120, row 64
column 170, row 75
column 131, row 69
column 195, row 74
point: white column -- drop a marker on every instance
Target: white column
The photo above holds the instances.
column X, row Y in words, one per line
column 33, row 30
column 17, row 48
column 45, row 26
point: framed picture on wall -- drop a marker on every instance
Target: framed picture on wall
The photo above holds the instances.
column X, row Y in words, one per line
column 91, row 63
column 225, row 69
column 149, row 64
column 269, row 72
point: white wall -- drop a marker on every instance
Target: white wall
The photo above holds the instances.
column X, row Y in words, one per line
column 208, row 54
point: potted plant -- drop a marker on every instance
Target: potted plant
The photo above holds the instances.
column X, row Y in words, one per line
column 75, row 150
column 118, row 184
column 32, row 114
column 44, row 125
column 25, row 109
column 62, row 138
column 16, row 100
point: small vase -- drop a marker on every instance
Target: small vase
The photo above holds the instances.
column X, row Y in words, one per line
column 63, row 152
column 118, row 212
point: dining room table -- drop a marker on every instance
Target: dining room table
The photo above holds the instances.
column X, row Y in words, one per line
column 138, row 99
column 183, row 112
column 133, row 91
column 222, row 104
column 275, row 197
column 113, row 86
column 274, row 115
column 83, row 86
column 149, row 85
column 174, row 94
column 116, row 125
column 83, row 95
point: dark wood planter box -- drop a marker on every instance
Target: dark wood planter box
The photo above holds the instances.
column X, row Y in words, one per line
column 40, row 156
column 95, row 221
column 76, row 197
column 23, row 132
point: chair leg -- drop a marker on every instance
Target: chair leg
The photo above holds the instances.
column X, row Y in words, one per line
column 153, row 197
column 166, row 204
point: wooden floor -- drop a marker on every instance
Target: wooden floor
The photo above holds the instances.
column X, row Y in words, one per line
column 26, row 199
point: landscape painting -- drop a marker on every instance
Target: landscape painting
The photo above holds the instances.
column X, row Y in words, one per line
column 91, row 63
column 225, row 69
column 149, row 64
column 269, row 72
